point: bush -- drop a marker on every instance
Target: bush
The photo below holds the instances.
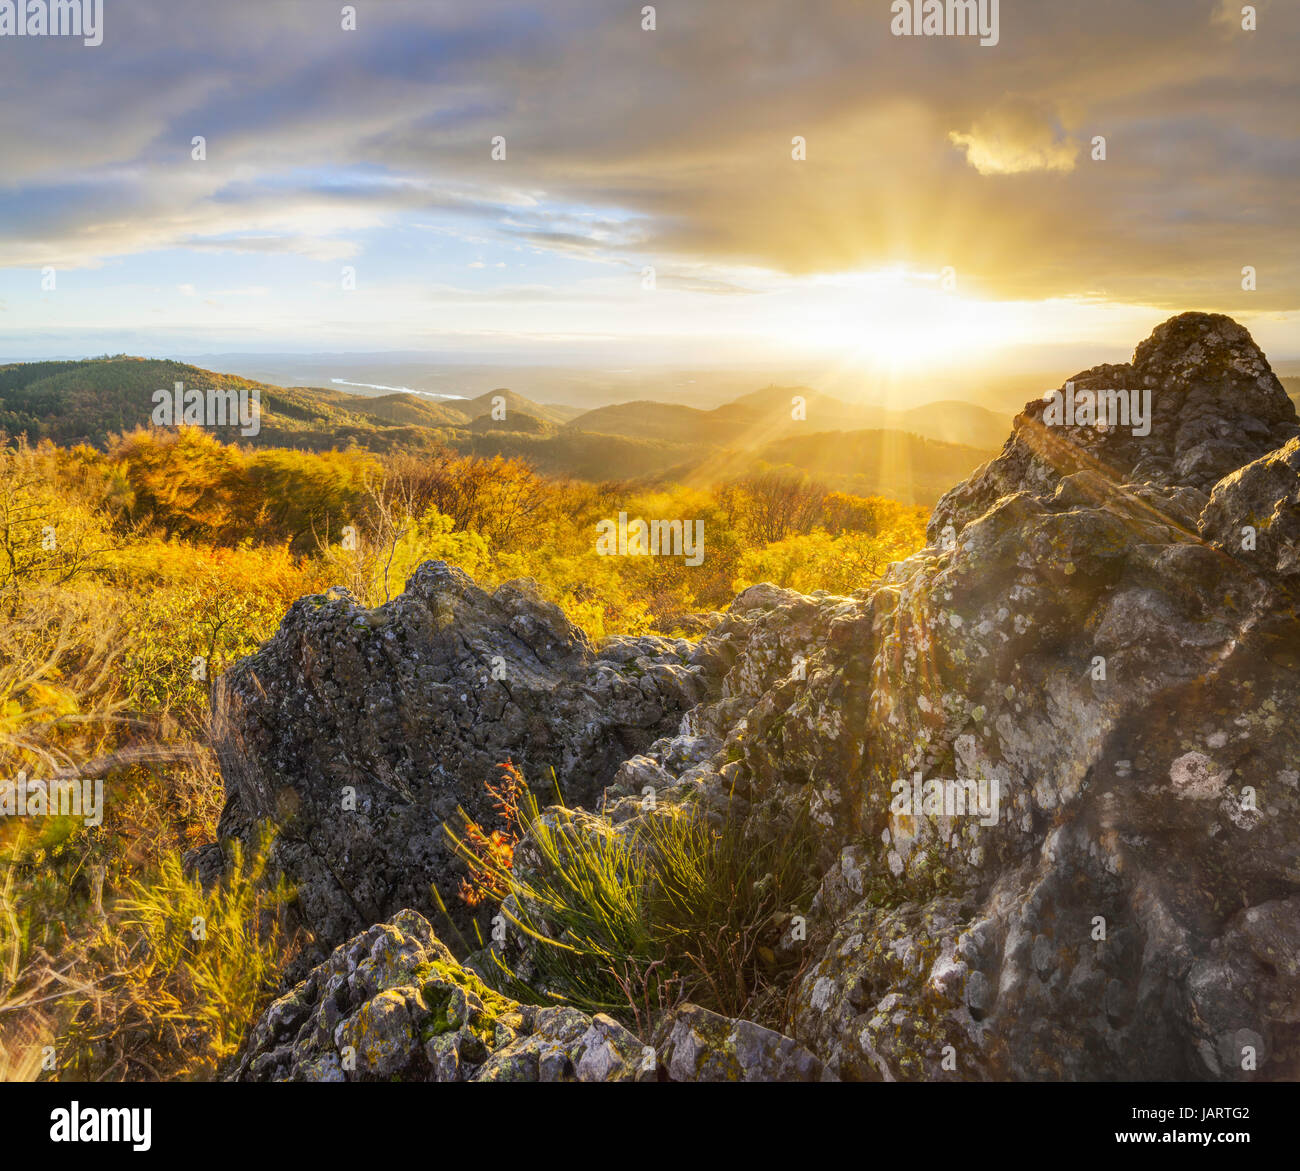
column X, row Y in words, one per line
column 632, row 922
column 179, row 974
column 817, row 560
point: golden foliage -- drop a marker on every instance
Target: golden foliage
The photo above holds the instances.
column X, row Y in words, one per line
column 130, row 578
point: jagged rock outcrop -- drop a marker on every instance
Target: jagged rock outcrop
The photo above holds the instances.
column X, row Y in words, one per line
column 359, row 732
column 1101, row 642
column 393, row 1004
column 1216, row 405
column 1094, row 629
column 696, row 1045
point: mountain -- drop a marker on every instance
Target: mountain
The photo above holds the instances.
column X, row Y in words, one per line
column 404, row 409
column 956, row 422
column 653, row 420
column 1047, row 768
column 85, row 402
column 764, row 415
column 862, row 450
column 486, row 403
column 516, row 422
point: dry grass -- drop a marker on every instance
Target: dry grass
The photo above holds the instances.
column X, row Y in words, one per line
column 631, row 924
column 29, row 984
column 180, row 974
column 100, row 967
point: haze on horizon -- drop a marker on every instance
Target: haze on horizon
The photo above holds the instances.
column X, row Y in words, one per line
column 628, row 149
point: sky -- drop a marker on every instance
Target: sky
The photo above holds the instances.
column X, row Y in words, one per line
column 948, row 212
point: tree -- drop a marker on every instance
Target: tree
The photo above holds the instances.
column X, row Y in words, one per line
column 771, row 505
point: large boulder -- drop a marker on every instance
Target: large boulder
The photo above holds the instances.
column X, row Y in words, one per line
column 359, row 732
column 1094, row 632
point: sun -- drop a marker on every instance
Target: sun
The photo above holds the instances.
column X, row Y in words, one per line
column 896, row 321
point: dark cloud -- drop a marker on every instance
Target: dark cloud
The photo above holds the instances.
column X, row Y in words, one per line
column 923, row 151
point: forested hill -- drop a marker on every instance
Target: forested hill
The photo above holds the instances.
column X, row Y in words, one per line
column 855, row 450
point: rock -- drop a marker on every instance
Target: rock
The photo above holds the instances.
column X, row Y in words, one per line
column 1216, row 406
column 360, row 732
column 1259, row 506
column 567, row 1045
column 1252, row 974
column 696, row 1045
column 1051, row 759
column 393, row 1004
column 1087, row 631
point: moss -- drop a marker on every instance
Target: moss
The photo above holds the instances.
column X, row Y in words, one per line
column 436, row 1026
column 437, row 978
column 439, row 1020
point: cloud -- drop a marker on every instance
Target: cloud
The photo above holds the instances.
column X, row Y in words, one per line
column 672, row 148
column 1016, row 137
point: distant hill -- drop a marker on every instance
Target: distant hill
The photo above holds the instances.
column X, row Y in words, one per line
column 763, row 415
column 475, row 408
column 517, row 421
column 953, row 421
column 913, row 456
column 404, row 409
column 84, row 402
column 770, row 399
column 669, row 422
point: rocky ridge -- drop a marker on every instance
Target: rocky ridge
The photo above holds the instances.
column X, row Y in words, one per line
column 1103, row 631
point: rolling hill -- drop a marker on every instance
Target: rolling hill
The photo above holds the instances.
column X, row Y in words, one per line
column 913, row 456
column 763, row 415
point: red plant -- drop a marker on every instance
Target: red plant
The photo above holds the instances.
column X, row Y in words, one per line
column 488, row 855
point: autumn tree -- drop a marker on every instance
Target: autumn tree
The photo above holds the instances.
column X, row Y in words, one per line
column 771, row 505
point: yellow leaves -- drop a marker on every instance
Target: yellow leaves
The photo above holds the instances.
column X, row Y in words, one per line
column 817, row 560
column 11, row 714
column 36, row 707
column 51, row 700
